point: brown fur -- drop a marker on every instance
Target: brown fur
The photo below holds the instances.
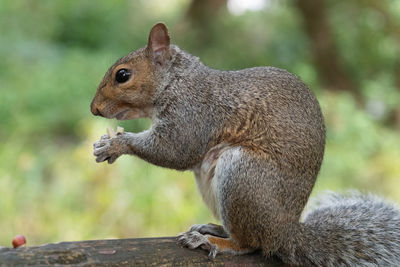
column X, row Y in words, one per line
column 112, row 98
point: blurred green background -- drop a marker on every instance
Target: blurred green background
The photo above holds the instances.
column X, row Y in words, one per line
column 54, row 53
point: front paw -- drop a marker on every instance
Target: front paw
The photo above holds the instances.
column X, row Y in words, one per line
column 210, row 229
column 194, row 239
column 108, row 149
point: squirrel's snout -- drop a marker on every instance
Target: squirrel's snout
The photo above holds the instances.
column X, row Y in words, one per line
column 95, row 111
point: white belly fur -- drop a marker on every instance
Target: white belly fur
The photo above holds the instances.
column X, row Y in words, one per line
column 207, row 181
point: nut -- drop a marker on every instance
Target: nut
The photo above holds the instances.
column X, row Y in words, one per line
column 18, row 241
column 120, row 130
column 110, row 132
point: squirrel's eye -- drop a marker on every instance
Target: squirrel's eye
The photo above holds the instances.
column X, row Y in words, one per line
column 122, row 75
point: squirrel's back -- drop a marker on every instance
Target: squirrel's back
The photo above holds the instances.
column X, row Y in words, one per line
column 272, row 110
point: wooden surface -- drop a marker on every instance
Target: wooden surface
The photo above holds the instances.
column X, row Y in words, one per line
column 123, row 252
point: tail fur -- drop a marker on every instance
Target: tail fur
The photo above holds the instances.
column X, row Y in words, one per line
column 349, row 229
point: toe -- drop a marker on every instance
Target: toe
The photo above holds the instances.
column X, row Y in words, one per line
column 195, row 227
column 99, row 144
column 112, row 159
column 102, row 157
column 192, row 240
column 99, row 151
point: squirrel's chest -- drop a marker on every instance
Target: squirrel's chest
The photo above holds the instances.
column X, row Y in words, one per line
column 207, row 181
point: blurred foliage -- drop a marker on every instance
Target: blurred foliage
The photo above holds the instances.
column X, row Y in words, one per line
column 54, row 53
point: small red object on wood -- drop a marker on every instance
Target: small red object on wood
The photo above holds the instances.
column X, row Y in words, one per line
column 18, row 241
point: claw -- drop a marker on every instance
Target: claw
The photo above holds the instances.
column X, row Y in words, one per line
column 111, row 159
column 180, row 238
column 213, row 253
column 100, row 159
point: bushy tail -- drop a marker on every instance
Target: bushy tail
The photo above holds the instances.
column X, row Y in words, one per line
column 347, row 230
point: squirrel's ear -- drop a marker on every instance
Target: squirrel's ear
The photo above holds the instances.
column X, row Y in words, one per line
column 158, row 45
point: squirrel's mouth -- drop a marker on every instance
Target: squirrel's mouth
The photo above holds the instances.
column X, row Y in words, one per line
column 122, row 115
column 131, row 113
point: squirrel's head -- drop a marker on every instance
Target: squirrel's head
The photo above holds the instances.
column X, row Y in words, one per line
column 128, row 89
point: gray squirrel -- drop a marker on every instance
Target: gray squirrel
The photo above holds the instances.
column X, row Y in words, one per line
column 254, row 139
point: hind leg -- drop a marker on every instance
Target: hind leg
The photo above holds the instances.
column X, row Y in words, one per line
column 252, row 199
column 249, row 192
column 211, row 237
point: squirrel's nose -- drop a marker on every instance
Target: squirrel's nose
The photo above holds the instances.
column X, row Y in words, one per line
column 95, row 111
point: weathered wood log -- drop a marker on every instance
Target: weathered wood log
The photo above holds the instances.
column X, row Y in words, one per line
column 124, row 252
